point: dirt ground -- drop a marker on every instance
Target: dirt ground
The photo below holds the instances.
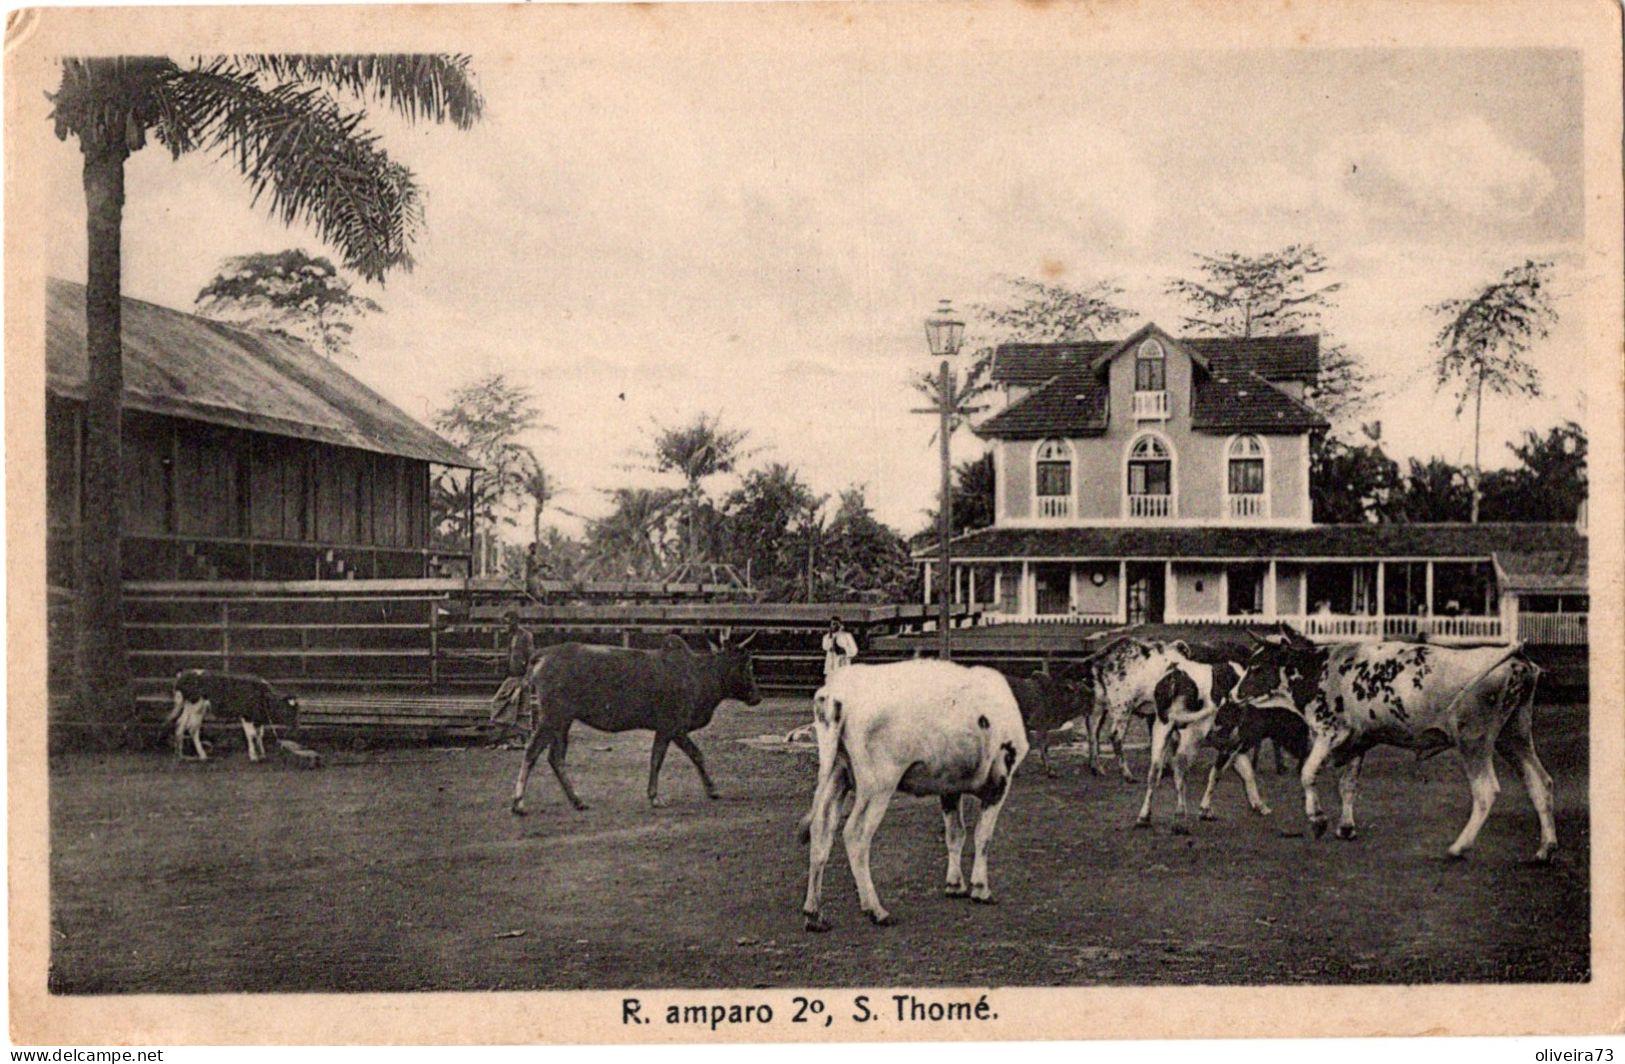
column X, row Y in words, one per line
column 402, row 869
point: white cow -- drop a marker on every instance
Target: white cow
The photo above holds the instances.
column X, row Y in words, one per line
column 920, row 727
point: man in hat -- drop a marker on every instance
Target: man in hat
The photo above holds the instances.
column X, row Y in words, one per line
column 509, row 703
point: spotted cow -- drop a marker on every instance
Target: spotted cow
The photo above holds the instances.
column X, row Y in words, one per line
column 1426, row 698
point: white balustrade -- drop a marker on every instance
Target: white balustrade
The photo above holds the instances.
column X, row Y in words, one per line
column 1054, row 506
column 1151, row 406
column 1553, row 629
column 1150, row 506
column 1248, row 507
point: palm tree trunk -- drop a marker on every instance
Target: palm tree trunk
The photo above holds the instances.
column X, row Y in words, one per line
column 1478, row 420
column 102, row 669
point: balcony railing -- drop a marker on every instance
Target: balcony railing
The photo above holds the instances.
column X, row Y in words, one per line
column 1054, row 506
column 1248, row 507
column 1150, row 506
column 1549, row 629
column 1151, row 406
column 1345, row 627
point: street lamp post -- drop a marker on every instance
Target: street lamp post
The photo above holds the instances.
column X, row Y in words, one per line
column 944, row 332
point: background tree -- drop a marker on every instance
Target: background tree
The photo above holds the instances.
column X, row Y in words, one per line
column 1484, row 338
column 634, row 539
column 1435, row 490
column 312, row 159
column 1045, row 312
column 1276, row 293
column 539, row 488
column 289, row 292
column 1352, row 483
column 485, row 420
column 767, row 521
column 1549, row 484
column 696, row 451
column 867, row 560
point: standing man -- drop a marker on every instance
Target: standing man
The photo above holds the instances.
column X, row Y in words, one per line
column 839, row 648
column 509, row 703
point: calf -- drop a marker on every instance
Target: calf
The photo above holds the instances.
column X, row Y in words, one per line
column 671, row 692
column 1188, row 700
column 1240, row 730
column 1426, row 698
column 1047, row 704
column 920, row 727
column 253, row 701
column 1119, row 682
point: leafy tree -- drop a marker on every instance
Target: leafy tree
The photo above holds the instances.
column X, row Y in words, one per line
column 1353, row 483
column 1041, row 311
column 279, row 119
column 1276, row 293
column 1435, row 490
column 1484, row 338
column 290, row 292
column 1548, row 485
column 772, row 520
column 696, row 451
column 972, row 498
column 634, row 539
column 867, row 559
column 485, row 419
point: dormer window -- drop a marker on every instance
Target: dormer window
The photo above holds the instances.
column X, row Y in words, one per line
column 1150, row 382
column 1150, row 368
column 1246, row 488
column 1052, row 473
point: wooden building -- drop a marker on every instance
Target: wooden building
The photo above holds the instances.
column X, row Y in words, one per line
column 247, row 456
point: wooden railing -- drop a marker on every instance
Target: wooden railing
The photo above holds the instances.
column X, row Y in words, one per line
column 1553, row 629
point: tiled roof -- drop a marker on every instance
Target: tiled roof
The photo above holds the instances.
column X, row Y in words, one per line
column 1271, row 357
column 1232, row 401
column 1278, row 358
column 1450, row 540
column 1072, row 404
column 1029, row 365
column 185, row 366
column 1550, row 571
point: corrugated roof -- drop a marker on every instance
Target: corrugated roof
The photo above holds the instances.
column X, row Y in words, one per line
column 1233, row 400
column 186, row 366
column 1072, row 404
column 1445, row 540
column 1549, row 571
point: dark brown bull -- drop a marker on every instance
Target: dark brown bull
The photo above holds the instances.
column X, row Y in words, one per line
column 671, row 691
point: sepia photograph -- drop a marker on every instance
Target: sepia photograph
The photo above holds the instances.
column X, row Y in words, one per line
column 814, row 521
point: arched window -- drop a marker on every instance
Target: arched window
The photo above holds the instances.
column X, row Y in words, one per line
column 1052, row 476
column 1246, row 485
column 1150, row 368
column 1150, row 477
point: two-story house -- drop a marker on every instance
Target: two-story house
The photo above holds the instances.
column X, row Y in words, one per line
column 1162, row 479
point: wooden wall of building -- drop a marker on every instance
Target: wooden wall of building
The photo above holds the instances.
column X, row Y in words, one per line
column 193, row 482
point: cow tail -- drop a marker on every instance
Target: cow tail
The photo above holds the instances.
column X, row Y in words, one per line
column 829, row 723
column 175, row 711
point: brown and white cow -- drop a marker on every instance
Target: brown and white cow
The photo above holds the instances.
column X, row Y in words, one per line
column 920, row 727
column 1422, row 697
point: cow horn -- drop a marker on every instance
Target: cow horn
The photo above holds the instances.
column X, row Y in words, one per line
column 1260, row 640
column 745, row 642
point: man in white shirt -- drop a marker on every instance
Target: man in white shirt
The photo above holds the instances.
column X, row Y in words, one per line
column 839, row 648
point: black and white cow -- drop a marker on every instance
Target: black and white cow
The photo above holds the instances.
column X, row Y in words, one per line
column 1119, row 683
column 253, row 701
column 1188, row 699
column 1427, row 698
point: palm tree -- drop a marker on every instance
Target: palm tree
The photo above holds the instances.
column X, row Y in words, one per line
column 540, row 488
column 632, row 537
column 696, row 451
column 278, row 119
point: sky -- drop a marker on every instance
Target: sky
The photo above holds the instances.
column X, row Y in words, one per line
column 759, row 236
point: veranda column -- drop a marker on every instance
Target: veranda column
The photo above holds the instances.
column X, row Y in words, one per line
column 1272, row 594
column 1382, row 599
column 1122, row 592
column 1170, row 612
column 1025, row 595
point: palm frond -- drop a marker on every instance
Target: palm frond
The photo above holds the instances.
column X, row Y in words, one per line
column 309, row 158
column 425, row 85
